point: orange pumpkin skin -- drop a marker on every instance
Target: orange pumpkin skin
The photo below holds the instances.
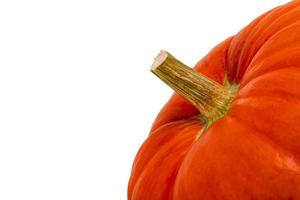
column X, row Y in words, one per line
column 253, row 151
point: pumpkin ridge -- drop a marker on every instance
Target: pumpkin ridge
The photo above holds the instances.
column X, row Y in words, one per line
column 249, row 50
column 183, row 139
column 262, row 55
column 237, row 42
column 162, row 139
column 264, row 137
column 264, row 125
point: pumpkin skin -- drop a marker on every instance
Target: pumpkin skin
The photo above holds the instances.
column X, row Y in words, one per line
column 253, row 151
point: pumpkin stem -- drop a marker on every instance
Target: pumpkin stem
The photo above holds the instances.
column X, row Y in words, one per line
column 209, row 97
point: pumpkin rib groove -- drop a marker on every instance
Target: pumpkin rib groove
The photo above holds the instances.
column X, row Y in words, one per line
column 288, row 97
column 276, row 95
column 273, row 45
column 236, row 44
column 160, row 137
column 257, row 71
column 257, row 36
column 267, row 75
column 166, row 154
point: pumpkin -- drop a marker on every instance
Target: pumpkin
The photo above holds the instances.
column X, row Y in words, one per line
column 232, row 128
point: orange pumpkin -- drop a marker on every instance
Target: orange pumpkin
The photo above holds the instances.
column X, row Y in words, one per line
column 232, row 130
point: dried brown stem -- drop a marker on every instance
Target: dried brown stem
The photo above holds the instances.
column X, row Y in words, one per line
column 209, row 97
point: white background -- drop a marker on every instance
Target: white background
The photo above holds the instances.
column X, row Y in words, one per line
column 76, row 95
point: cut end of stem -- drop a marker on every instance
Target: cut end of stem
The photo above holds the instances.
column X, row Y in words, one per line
column 159, row 59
